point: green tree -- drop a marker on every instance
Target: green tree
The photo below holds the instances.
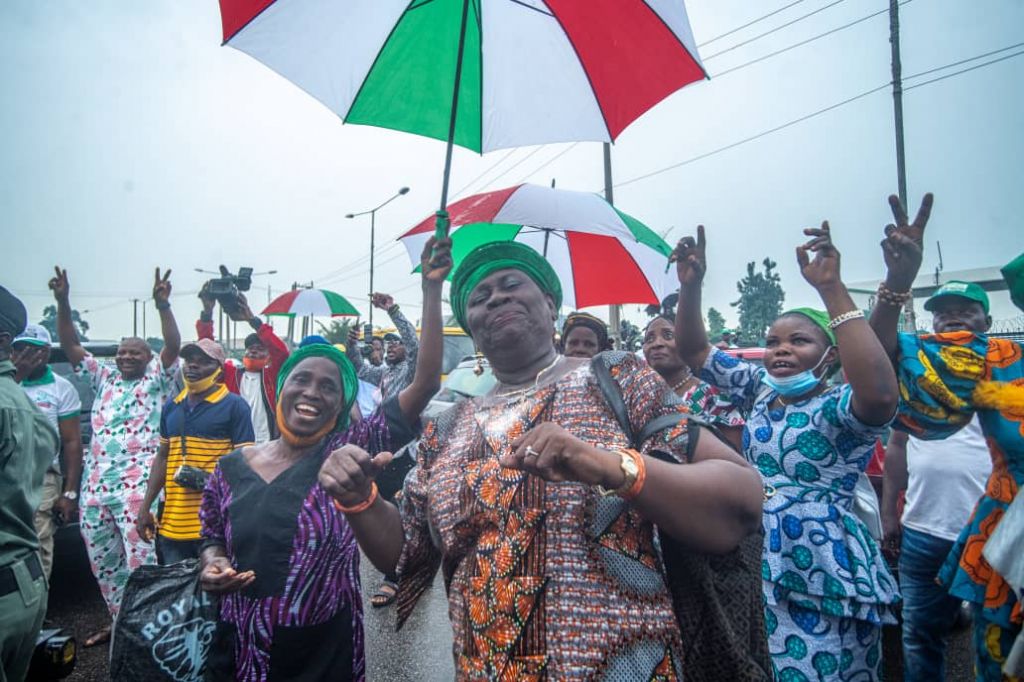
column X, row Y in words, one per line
column 760, row 302
column 337, row 330
column 50, row 322
column 716, row 324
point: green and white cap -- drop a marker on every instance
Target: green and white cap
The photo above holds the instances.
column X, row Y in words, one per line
column 968, row 290
column 35, row 334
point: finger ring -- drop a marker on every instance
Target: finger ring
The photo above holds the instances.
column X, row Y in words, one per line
column 530, row 452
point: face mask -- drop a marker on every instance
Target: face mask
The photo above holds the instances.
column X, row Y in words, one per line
column 201, row 385
column 296, row 440
column 254, row 364
column 798, row 384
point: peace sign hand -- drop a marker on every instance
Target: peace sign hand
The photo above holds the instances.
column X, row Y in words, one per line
column 823, row 271
column 59, row 284
column 903, row 246
column 690, row 259
column 162, row 287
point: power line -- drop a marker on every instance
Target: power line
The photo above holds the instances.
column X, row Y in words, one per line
column 849, row 100
column 752, row 137
column 749, row 23
column 489, row 169
column 805, row 42
column 774, row 30
column 547, row 163
column 515, row 165
column 963, row 61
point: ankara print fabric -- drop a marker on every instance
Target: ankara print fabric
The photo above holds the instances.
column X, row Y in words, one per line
column 125, row 429
column 944, row 380
column 810, row 454
column 545, row 580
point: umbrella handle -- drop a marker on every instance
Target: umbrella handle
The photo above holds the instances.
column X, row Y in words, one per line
column 441, row 224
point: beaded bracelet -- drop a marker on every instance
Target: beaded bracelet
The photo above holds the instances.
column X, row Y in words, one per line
column 845, row 317
column 890, row 297
column 362, row 506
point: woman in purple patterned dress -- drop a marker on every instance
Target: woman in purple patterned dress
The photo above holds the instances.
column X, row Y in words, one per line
column 277, row 548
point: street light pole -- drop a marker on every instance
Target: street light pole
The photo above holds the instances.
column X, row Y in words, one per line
column 373, row 228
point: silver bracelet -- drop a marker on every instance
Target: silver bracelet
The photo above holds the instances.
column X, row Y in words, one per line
column 845, row 317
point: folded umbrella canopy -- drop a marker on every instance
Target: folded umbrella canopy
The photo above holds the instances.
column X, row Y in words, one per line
column 601, row 255
column 482, row 74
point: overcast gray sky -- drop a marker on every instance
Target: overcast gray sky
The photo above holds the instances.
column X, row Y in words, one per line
column 133, row 139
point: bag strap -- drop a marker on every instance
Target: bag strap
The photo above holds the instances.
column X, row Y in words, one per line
column 612, row 395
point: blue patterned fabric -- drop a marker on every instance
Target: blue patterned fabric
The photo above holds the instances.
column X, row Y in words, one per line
column 819, row 559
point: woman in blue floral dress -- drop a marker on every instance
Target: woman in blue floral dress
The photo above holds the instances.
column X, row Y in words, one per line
column 827, row 588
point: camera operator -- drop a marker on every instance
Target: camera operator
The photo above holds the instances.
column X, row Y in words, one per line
column 399, row 356
column 256, row 379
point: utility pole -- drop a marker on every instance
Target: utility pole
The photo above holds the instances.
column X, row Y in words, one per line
column 609, row 195
column 135, row 317
column 897, row 107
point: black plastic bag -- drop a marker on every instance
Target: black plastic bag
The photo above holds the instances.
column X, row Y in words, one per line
column 165, row 625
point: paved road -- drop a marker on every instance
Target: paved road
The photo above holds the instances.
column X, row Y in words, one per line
column 420, row 652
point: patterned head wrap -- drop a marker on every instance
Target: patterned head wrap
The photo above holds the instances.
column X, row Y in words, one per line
column 488, row 259
column 349, row 382
column 590, row 322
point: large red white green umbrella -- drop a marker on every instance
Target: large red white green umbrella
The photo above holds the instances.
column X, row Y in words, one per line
column 482, row 74
column 312, row 302
column 602, row 256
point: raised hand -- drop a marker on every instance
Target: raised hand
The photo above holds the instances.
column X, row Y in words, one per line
column 28, row 359
column 436, row 259
column 207, row 298
column 219, row 576
column 690, row 259
column 823, row 270
column 903, row 246
column 59, row 284
column 162, row 287
column 242, row 311
column 554, row 454
column 382, row 301
column 349, row 472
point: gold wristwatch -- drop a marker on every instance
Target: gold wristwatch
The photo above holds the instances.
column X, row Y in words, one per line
column 630, row 471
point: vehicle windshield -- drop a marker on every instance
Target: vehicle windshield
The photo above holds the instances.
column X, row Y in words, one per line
column 464, row 381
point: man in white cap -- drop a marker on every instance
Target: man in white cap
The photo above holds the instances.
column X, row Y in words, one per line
column 57, row 398
column 197, row 427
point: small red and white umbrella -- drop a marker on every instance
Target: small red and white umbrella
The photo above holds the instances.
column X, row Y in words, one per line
column 601, row 255
column 311, row 302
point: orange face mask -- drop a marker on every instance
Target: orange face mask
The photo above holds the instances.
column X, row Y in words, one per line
column 299, row 441
column 254, row 364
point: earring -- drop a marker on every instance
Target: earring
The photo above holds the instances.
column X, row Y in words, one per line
column 479, row 369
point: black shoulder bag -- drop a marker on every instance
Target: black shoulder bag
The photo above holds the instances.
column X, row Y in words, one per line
column 717, row 598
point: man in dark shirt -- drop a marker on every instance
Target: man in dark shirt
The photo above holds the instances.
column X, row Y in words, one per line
column 27, row 444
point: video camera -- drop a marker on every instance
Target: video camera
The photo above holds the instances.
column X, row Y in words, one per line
column 226, row 287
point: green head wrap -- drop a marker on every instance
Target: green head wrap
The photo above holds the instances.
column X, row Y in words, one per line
column 1013, row 273
column 488, row 259
column 820, row 319
column 349, row 381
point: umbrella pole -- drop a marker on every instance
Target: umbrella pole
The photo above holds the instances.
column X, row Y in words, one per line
column 441, row 224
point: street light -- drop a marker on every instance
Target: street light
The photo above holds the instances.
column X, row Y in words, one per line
column 373, row 216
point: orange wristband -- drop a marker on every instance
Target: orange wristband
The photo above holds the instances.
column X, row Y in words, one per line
column 362, row 506
column 641, row 475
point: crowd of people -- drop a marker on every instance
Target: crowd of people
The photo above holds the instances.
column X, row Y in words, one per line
column 687, row 514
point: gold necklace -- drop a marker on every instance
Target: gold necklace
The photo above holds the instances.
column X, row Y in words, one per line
column 682, row 382
column 526, row 389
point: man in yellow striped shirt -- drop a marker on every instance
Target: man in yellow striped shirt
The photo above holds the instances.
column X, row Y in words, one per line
column 197, row 427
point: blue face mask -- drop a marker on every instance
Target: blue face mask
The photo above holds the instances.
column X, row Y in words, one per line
column 798, row 384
